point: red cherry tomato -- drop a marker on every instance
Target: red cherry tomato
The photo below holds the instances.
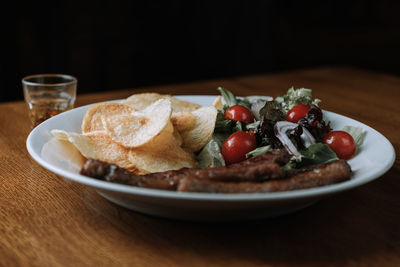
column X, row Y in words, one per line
column 237, row 145
column 239, row 113
column 297, row 112
column 342, row 143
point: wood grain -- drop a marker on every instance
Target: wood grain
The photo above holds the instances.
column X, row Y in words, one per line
column 49, row 221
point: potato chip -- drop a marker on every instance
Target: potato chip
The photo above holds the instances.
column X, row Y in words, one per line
column 146, row 133
column 92, row 119
column 183, row 106
column 60, row 134
column 200, row 133
column 138, row 128
column 98, row 145
column 62, row 153
column 141, row 101
column 172, row 157
column 218, row 102
column 183, row 120
column 163, row 139
column 177, row 136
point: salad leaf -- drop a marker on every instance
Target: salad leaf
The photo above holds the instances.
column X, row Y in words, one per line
column 220, row 138
column 243, row 102
column 269, row 111
column 295, row 97
column 252, row 126
column 265, row 133
column 210, row 155
column 238, row 126
column 258, row 151
column 315, row 154
column 357, row 133
column 221, row 124
column 315, row 123
column 228, row 97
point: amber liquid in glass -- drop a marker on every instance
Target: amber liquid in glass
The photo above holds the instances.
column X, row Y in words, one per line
column 43, row 107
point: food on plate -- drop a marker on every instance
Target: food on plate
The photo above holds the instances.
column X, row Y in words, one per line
column 255, row 175
column 297, row 112
column 199, row 133
column 98, row 145
column 264, row 167
column 327, row 174
column 293, row 121
column 237, row 145
column 342, row 143
column 142, row 127
column 144, row 139
column 239, row 113
column 141, row 101
column 92, row 120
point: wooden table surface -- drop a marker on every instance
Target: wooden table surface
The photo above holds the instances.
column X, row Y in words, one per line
column 49, row 221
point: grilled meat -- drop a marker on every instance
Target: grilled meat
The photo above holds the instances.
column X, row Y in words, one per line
column 322, row 175
column 258, row 174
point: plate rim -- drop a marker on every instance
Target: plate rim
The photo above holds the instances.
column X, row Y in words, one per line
column 197, row 196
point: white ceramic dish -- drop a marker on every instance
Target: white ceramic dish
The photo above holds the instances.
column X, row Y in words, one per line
column 375, row 157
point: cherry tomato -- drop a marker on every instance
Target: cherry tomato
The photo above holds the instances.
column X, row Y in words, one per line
column 297, row 112
column 239, row 113
column 237, row 145
column 342, row 143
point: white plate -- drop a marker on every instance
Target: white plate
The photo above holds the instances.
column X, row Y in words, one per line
column 375, row 157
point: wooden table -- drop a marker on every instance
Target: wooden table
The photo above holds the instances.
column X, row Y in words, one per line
column 49, row 221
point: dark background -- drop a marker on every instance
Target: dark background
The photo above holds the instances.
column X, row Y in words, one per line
column 117, row 45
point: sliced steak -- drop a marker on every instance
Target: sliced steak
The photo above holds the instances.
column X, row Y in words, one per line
column 259, row 168
column 112, row 173
column 258, row 174
column 263, row 167
column 321, row 175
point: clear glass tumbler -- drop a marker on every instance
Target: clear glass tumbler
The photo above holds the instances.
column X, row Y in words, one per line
column 48, row 95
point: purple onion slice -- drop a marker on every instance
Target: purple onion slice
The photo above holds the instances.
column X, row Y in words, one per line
column 280, row 130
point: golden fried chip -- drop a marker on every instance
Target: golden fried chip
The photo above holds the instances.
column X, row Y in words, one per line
column 178, row 137
column 138, row 128
column 200, row 133
column 92, row 120
column 183, row 120
column 183, row 106
column 217, row 102
column 141, row 101
column 98, row 145
column 63, row 154
column 163, row 139
column 172, row 157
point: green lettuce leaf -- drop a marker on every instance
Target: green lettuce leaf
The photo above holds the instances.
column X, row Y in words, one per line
column 357, row 133
column 220, row 138
column 210, row 155
column 252, row 125
column 315, row 154
column 243, row 102
column 258, row 151
column 238, row 126
column 295, row 97
column 228, row 97
column 222, row 125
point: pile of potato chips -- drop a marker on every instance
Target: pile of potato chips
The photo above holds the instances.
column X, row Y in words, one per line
column 144, row 133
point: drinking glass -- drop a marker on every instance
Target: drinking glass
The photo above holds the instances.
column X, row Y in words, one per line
column 48, row 94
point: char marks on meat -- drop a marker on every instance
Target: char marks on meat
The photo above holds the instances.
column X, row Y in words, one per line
column 258, row 174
